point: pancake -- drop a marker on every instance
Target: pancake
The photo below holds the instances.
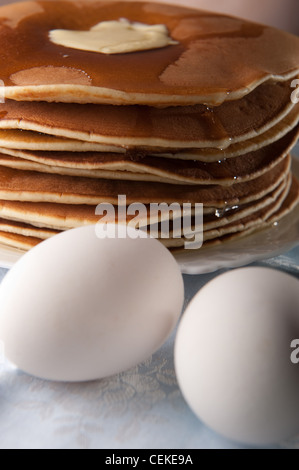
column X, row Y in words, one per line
column 217, row 57
column 242, row 212
column 208, row 155
column 251, row 221
column 18, row 185
column 27, row 165
column 213, row 222
column 63, row 217
column 30, row 140
column 49, row 215
column 68, row 216
column 257, row 221
column 141, row 126
column 272, row 217
column 26, row 230
column 20, row 242
column 145, row 168
column 262, row 219
column 22, row 227
column 289, row 205
column 222, row 219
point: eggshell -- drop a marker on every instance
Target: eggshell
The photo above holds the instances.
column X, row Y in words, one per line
column 233, row 355
column 78, row 307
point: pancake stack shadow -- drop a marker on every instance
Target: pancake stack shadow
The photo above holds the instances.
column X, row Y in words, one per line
column 65, row 149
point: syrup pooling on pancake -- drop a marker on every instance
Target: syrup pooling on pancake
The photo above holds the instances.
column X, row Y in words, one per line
column 215, row 57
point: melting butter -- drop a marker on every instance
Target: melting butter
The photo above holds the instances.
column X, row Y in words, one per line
column 114, row 37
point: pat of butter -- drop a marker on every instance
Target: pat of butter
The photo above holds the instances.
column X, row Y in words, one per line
column 114, row 37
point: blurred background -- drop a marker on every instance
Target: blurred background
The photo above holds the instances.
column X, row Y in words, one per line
column 283, row 14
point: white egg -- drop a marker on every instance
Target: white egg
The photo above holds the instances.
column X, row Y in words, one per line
column 78, row 307
column 233, row 355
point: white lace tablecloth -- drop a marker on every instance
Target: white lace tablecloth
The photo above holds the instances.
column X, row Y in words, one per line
column 141, row 409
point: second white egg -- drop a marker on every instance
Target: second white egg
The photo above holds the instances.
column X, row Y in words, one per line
column 233, row 355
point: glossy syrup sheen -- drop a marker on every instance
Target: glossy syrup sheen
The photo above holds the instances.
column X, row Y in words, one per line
column 215, row 53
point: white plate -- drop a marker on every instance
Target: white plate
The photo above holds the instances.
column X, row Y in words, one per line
column 258, row 246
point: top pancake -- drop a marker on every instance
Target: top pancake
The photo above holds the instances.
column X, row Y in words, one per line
column 217, row 57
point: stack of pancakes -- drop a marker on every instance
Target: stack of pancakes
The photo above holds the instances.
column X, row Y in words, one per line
column 208, row 119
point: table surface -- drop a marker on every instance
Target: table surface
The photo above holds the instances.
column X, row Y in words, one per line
column 140, row 409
